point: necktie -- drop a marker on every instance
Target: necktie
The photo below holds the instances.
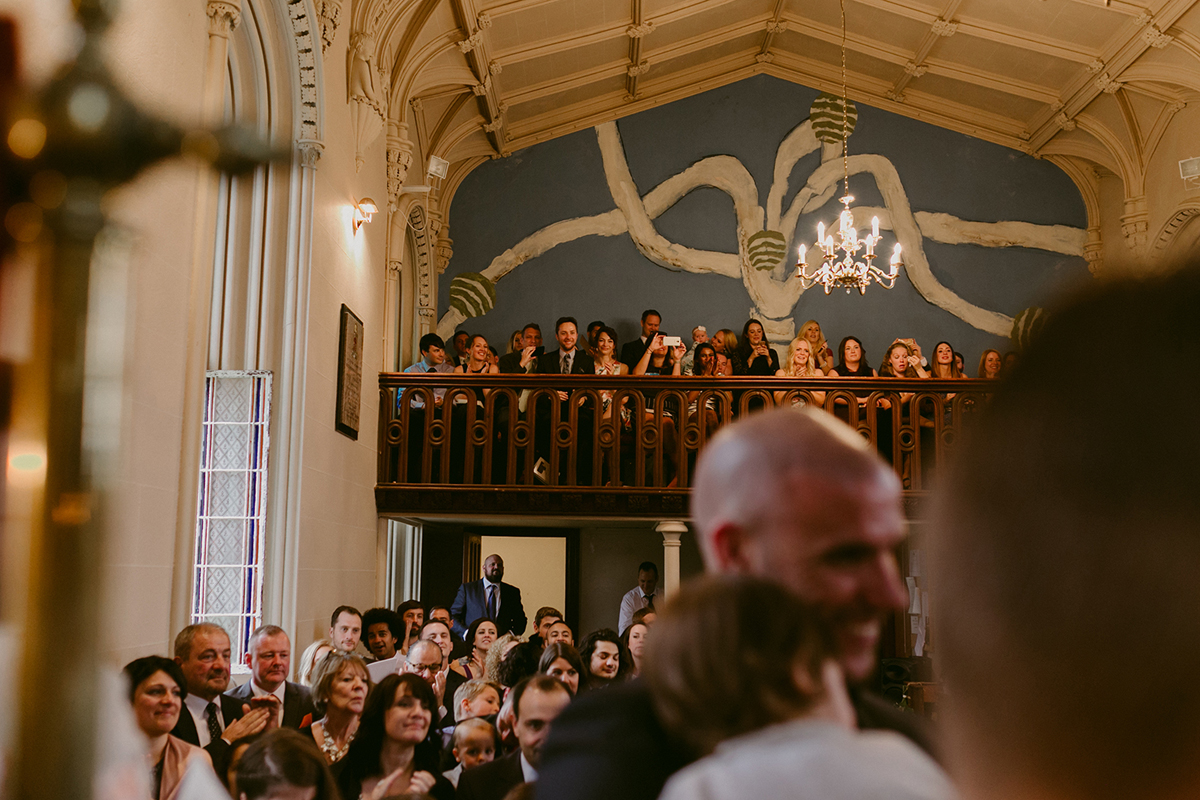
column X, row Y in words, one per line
column 650, row 602
column 566, row 364
column 492, row 602
column 214, row 726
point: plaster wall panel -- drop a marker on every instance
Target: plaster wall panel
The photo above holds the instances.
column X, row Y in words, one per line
column 606, row 277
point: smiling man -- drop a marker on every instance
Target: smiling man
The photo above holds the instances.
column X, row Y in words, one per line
column 211, row 719
column 269, row 657
column 796, row 497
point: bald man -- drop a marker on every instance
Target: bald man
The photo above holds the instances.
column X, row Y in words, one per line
column 793, row 496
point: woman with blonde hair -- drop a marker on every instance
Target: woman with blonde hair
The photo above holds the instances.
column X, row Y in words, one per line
column 496, row 653
column 725, row 341
column 308, row 661
column 340, row 685
column 768, row 711
column 823, row 356
column 801, row 363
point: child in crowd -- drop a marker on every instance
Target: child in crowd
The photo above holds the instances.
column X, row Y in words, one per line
column 474, row 743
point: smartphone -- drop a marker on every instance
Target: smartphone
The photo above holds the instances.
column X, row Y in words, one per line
column 539, row 351
column 672, row 341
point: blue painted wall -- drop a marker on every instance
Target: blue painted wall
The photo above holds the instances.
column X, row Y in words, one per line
column 503, row 201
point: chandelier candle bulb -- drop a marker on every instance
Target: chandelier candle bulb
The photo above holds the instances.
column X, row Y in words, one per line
column 820, row 231
column 875, row 227
column 803, row 250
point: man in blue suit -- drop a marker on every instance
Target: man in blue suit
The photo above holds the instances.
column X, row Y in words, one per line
column 489, row 597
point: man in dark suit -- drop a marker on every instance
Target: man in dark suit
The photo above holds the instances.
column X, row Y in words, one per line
column 631, row 352
column 566, row 360
column 489, row 597
column 824, row 520
column 536, row 703
column 209, row 718
column 523, row 360
column 269, row 659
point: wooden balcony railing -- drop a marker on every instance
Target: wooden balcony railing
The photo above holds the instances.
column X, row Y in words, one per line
column 584, row 445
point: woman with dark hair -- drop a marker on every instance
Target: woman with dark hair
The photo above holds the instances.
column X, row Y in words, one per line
column 604, row 659
column 754, row 354
column 562, row 661
column 480, row 636
column 852, row 363
column 607, row 364
column 704, row 365
column 634, row 642
column 394, row 753
column 520, row 662
column 943, row 365
column 157, row 689
column 776, row 721
column 282, row 763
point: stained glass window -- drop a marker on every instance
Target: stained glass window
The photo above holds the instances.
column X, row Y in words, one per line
column 231, row 516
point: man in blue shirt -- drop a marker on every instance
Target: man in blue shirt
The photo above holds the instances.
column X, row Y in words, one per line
column 433, row 359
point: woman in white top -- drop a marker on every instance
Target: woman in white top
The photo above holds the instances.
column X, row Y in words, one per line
column 768, row 710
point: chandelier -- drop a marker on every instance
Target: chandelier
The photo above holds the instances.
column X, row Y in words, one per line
column 840, row 266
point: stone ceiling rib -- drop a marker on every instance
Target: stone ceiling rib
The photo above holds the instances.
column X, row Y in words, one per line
column 1118, row 56
column 1023, row 80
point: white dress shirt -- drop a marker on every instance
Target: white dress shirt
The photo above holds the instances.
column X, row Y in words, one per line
column 527, row 770
column 197, row 706
column 378, row 670
column 633, row 600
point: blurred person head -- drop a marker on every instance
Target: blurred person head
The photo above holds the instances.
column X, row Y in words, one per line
column 799, row 497
column 777, row 661
column 283, row 764
column 308, row 660
column 536, row 702
column 1069, row 526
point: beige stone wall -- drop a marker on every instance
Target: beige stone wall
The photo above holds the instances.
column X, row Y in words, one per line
column 336, row 561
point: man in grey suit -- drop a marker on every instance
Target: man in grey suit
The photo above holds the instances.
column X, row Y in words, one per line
column 269, row 657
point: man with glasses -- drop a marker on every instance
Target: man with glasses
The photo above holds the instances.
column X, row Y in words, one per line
column 425, row 659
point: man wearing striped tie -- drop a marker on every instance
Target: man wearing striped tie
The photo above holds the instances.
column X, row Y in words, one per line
column 489, row 597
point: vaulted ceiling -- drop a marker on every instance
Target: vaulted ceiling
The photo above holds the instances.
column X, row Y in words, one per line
column 1090, row 80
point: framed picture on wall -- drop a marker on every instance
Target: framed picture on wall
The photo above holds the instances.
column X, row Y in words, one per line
column 349, row 374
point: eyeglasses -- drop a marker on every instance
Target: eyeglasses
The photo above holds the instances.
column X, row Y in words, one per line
column 425, row 667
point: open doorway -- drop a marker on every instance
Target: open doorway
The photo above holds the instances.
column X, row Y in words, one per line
column 537, row 565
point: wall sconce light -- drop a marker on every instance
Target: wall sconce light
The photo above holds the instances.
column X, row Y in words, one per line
column 363, row 210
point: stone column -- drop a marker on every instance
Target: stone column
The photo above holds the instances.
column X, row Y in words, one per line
column 671, row 530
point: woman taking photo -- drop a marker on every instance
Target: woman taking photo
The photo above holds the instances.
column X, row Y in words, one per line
column 822, row 355
column 602, row 659
column 340, row 684
column 393, row 753
column 801, row 363
column 157, row 689
column 480, row 636
column 560, row 660
column 754, row 354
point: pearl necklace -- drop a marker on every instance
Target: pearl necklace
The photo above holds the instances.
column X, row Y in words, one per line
column 329, row 746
